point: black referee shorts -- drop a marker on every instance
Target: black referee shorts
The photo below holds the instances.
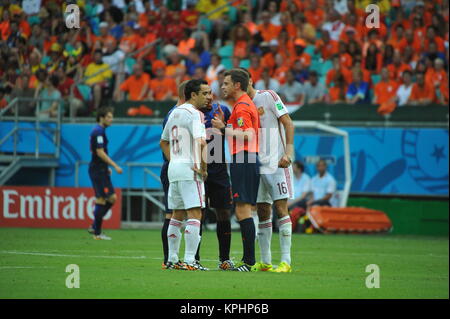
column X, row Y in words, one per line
column 244, row 173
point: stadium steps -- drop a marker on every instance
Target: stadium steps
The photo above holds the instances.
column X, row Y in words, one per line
column 10, row 165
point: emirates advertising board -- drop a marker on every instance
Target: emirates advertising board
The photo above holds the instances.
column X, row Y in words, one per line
column 53, row 207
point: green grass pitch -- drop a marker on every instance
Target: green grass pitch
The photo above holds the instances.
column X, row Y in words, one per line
column 33, row 264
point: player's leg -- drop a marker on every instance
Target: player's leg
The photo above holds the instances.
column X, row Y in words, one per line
column 168, row 213
column 285, row 234
column 175, row 203
column 202, row 221
column 193, row 194
column 223, row 232
column 281, row 188
column 102, row 190
column 264, row 210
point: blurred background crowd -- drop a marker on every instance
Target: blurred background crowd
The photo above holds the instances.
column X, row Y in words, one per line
column 308, row 51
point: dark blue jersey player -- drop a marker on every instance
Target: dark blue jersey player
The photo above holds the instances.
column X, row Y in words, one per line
column 99, row 172
column 217, row 185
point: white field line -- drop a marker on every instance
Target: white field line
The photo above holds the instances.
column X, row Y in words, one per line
column 26, row 267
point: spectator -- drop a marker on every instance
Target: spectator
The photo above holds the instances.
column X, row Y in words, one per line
column 197, row 58
column 302, row 187
column 422, row 93
column 397, row 67
column 300, row 54
column 267, row 82
column 240, row 37
column 337, row 93
column 175, row 65
column 69, row 92
column 436, row 75
column 217, row 84
column 386, row 89
column 219, row 9
column 98, row 76
column 49, row 108
column 292, row 91
column 334, row 25
column 190, row 15
column 267, row 30
column 186, row 44
column 162, row 87
column 274, row 13
column 113, row 56
column 199, row 74
column 326, row 46
column 358, row 90
column 323, row 186
column 432, row 54
column 137, row 85
column 255, row 67
column 442, row 93
column 344, row 57
column 338, row 69
column 315, row 15
column 315, row 91
column 281, row 68
column 373, row 61
column 388, row 55
column 214, row 68
column 301, row 72
column 404, row 90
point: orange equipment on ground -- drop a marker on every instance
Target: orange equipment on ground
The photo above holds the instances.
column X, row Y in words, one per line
column 349, row 220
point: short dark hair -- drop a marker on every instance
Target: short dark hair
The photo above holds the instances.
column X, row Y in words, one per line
column 246, row 71
column 299, row 165
column 238, row 76
column 103, row 111
column 193, row 86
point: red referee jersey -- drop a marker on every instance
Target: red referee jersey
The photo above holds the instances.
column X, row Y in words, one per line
column 244, row 117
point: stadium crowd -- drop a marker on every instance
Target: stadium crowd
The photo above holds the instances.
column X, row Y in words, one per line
column 308, row 51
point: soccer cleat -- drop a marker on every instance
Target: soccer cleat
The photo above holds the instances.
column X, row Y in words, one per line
column 263, row 267
column 102, row 237
column 91, row 231
column 195, row 266
column 165, row 265
column 244, row 267
column 226, row 265
column 283, row 267
column 179, row 265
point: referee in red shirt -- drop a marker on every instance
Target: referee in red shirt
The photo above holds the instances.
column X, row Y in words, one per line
column 241, row 131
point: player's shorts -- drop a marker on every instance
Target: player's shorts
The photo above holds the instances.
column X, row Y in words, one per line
column 101, row 182
column 245, row 178
column 276, row 186
column 218, row 193
column 165, row 184
column 186, row 194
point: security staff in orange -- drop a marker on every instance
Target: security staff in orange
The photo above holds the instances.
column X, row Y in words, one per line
column 241, row 131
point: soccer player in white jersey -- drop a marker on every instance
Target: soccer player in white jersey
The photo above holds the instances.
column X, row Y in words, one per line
column 276, row 183
column 183, row 141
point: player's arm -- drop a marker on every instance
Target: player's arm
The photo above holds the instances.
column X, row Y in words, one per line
column 240, row 134
column 288, row 156
column 105, row 158
column 165, row 147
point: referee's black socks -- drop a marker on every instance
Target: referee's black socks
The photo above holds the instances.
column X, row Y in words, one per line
column 224, row 237
column 248, row 240
column 98, row 218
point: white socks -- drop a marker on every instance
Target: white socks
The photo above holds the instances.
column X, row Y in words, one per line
column 174, row 240
column 255, row 221
column 192, row 239
column 285, row 230
column 264, row 239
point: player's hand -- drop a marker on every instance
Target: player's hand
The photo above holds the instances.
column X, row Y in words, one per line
column 284, row 162
column 217, row 123
column 119, row 170
column 220, row 114
column 203, row 173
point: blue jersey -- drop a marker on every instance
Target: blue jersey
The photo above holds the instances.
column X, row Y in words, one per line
column 98, row 140
column 216, row 168
column 163, row 126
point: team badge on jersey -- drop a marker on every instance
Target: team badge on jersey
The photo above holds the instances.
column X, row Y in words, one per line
column 279, row 106
column 240, row 122
column 261, row 110
column 100, row 139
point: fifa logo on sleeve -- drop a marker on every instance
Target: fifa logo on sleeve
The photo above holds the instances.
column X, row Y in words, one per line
column 72, row 16
column 373, row 19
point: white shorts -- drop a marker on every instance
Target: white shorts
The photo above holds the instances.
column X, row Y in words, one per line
column 278, row 185
column 186, row 194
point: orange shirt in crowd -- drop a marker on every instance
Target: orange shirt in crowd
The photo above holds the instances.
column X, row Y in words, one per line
column 419, row 93
column 184, row 46
column 345, row 72
column 435, row 77
column 335, row 93
column 304, row 57
column 384, row 91
column 134, row 86
column 268, row 61
column 280, row 74
column 4, row 30
column 443, row 89
column 269, row 31
column 160, row 88
column 395, row 72
column 315, row 17
column 240, row 49
column 255, row 73
column 417, row 47
column 327, row 50
column 440, row 43
column 346, row 60
column 127, row 43
column 171, row 69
